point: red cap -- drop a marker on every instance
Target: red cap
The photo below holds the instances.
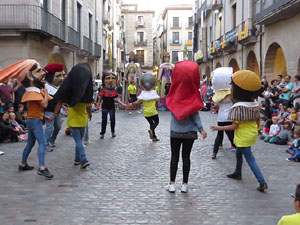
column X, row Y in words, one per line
column 55, row 67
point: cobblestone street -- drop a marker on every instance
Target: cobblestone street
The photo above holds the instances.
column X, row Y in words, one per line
column 125, row 183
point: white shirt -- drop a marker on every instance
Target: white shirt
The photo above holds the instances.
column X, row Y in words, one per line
column 224, row 108
column 274, row 129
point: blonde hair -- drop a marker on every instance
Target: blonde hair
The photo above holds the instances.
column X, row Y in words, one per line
column 11, row 115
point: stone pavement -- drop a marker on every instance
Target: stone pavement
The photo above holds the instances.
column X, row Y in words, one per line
column 125, row 183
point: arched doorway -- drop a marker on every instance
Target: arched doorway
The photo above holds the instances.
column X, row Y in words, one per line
column 235, row 66
column 57, row 58
column 275, row 62
column 252, row 63
column 218, row 65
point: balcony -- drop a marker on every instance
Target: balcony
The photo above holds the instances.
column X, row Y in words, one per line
column 73, row 37
column 189, row 25
column 31, row 18
column 231, row 38
column 217, row 5
column 87, row 45
column 271, row 11
column 175, row 42
column 246, row 33
column 140, row 24
column 216, row 47
column 140, row 43
column 97, row 50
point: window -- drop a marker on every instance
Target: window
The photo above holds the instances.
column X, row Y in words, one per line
column 190, row 55
column 122, row 56
column 90, row 25
column 190, row 24
column 78, row 18
column 190, row 38
column 44, row 4
column 175, row 37
column 140, row 37
column 174, row 57
column 96, row 32
column 175, row 21
column 63, row 10
column 140, row 56
column 234, row 15
column 140, row 20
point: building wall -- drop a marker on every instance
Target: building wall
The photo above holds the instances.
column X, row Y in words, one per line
column 36, row 46
column 131, row 30
column 279, row 34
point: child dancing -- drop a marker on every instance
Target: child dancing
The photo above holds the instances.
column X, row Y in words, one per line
column 149, row 99
column 184, row 101
column 245, row 116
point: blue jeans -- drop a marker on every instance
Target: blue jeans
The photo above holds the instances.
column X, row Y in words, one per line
column 77, row 134
column 246, row 151
column 112, row 115
column 52, row 129
column 35, row 132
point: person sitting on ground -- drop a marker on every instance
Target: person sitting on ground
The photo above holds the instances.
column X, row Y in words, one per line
column 20, row 117
column 293, row 219
column 266, row 126
column 285, row 133
column 7, row 132
column 294, row 147
column 274, row 130
column 14, row 123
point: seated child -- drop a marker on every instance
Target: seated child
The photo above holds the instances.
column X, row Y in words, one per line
column 14, row 123
column 285, row 134
column 293, row 148
column 20, row 117
column 266, row 125
column 274, row 130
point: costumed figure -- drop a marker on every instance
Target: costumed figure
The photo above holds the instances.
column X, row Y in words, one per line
column 30, row 74
column 221, row 85
column 77, row 92
column 149, row 99
column 54, row 78
column 245, row 117
column 165, row 77
column 107, row 98
column 184, row 101
column 132, row 74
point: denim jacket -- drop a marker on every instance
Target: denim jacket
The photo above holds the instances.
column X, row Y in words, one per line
column 190, row 123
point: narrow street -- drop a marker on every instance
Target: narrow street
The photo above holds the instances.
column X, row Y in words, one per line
column 125, row 183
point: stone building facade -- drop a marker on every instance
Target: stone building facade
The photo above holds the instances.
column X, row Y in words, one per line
column 65, row 31
column 139, row 34
column 259, row 35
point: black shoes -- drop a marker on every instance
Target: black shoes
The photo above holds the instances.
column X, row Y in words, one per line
column 235, row 176
column 25, row 168
column 84, row 165
column 262, row 187
column 214, row 156
column 45, row 173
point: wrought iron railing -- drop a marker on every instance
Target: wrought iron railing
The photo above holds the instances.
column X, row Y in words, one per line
column 32, row 18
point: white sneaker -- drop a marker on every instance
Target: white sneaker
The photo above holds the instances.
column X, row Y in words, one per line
column 139, row 112
column 184, row 188
column 1, row 153
column 171, row 188
column 129, row 113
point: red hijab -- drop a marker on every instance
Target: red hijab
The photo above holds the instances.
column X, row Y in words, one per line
column 184, row 98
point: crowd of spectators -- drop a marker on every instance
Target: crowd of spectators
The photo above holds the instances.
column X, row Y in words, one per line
column 12, row 112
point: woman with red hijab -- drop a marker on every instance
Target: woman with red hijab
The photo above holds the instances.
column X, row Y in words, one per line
column 184, row 101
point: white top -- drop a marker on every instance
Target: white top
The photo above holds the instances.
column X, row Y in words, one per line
column 224, row 108
column 148, row 95
column 274, row 129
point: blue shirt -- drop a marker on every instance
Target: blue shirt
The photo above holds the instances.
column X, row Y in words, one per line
column 286, row 95
column 190, row 123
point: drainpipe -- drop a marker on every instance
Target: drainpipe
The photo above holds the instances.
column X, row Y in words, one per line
column 243, row 7
column 224, row 19
column 260, row 51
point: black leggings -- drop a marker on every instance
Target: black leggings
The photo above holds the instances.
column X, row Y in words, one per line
column 153, row 121
column 219, row 138
column 187, row 145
